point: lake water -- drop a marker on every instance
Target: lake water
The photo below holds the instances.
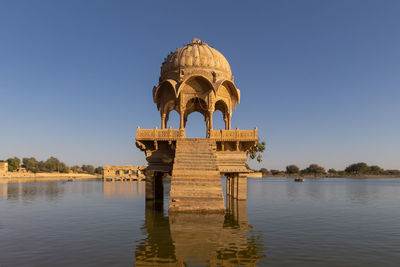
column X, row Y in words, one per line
column 321, row 222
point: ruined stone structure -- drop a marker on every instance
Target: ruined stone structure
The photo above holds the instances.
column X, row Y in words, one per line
column 196, row 78
column 3, row 168
column 123, row 173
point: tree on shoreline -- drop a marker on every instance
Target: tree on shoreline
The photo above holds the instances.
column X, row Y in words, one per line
column 332, row 171
column 264, row 172
column 13, row 164
column 53, row 165
column 31, row 164
column 314, row 169
column 374, row 169
column 275, row 172
column 88, row 169
column 357, row 168
column 292, row 169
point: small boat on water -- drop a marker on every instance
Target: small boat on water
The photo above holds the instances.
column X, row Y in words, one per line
column 298, row 179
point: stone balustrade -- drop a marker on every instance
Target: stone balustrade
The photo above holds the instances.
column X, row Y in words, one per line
column 159, row 134
column 234, row 135
column 174, row 134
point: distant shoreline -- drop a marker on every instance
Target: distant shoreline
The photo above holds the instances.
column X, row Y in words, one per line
column 332, row 176
column 44, row 177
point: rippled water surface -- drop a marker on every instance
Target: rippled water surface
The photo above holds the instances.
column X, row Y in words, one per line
column 321, row 222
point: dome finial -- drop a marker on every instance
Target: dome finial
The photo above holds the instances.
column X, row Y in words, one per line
column 196, row 41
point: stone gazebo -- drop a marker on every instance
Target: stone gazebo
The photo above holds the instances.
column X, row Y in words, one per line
column 196, row 78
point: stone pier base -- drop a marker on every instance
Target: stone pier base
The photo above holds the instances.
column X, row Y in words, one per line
column 154, row 185
column 236, row 186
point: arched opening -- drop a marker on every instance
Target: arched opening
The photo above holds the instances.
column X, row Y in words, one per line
column 196, row 85
column 195, row 126
column 218, row 120
column 173, row 119
column 221, row 115
column 164, row 93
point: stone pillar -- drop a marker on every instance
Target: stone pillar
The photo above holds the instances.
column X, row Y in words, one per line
column 182, row 113
column 237, row 211
column 150, row 194
column 149, row 185
column 228, row 186
column 226, row 122
column 242, row 187
column 236, row 186
column 158, row 186
column 210, row 112
column 154, row 185
column 229, row 121
column 163, row 121
column 233, row 186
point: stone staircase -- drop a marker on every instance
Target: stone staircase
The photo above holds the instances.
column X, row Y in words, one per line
column 196, row 180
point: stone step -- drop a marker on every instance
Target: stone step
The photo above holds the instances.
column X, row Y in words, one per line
column 196, row 144
column 196, row 180
column 203, row 194
column 209, row 158
column 180, row 144
column 198, row 207
column 187, row 188
column 193, row 168
column 196, row 169
column 196, row 186
column 194, row 163
column 194, row 152
column 193, row 156
column 198, row 140
column 196, row 149
column 186, row 164
column 199, row 147
column 198, row 160
column 197, row 201
column 197, row 194
column 205, row 181
column 195, row 173
column 201, row 204
column 196, row 183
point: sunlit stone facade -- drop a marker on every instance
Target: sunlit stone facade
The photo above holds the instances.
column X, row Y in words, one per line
column 3, row 168
column 196, row 78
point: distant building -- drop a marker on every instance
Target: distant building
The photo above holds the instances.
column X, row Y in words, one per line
column 124, row 172
column 3, row 168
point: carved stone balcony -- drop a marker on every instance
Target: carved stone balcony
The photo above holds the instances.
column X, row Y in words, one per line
column 159, row 134
column 234, row 135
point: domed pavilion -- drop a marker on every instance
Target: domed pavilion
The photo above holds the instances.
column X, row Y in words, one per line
column 196, row 78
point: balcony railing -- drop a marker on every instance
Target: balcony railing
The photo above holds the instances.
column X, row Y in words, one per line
column 174, row 134
column 159, row 134
column 234, row 135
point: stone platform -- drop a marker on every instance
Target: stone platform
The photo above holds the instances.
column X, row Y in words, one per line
column 196, row 166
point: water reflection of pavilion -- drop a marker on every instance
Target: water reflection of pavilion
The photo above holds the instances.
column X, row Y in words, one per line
column 211, row 239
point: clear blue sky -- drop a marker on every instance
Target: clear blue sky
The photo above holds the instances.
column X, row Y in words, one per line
column 320, row 79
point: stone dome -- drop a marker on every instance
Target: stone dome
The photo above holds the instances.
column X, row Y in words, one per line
column 195, row 57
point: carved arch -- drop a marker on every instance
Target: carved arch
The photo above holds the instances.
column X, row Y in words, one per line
column 166, row 90
column 234, row 92
column 222, row 106
column 204, row 83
